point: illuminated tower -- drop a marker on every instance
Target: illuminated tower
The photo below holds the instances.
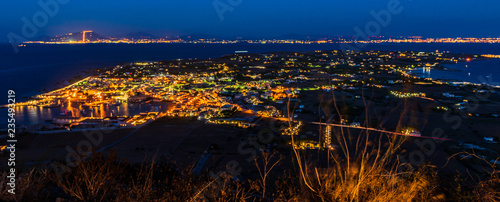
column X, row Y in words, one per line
column 328, row 136
column 83, row 35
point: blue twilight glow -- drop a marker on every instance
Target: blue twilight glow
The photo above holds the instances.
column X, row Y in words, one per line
column 257, row 18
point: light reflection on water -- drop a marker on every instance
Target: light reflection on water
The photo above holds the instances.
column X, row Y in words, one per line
column 475, row 72
column 33, row 115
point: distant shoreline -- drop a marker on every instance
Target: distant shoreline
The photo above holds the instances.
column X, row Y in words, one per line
column 445, row 71
column 71, row 62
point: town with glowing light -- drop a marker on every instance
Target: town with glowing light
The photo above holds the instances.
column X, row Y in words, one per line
column 250, row 90
column 207, row 113
column 89, row 36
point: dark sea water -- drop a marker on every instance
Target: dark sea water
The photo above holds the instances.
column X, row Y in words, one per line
column 37, row 67
column 481, row 71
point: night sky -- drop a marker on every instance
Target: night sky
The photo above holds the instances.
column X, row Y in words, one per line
column 257, row 18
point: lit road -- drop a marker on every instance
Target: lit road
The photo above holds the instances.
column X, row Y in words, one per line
column 378, row 130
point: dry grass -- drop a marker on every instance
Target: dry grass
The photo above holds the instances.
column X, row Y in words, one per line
column 365, row 176
column 363, row 170
column 105, row 178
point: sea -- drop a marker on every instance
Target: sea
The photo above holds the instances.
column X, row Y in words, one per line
column 39, row 67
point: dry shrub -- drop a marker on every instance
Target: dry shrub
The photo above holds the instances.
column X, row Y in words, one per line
column 488, row 190
column 94, row 179
column 30, row 186
column 105, row 178
column 374, row 185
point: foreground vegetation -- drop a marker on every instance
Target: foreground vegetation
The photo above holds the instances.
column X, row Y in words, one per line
column 360, row 169
column 107, row 178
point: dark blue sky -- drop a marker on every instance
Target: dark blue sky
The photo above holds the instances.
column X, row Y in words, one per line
column 257, row 18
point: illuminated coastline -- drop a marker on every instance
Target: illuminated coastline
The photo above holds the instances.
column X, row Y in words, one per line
column 67, row 39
